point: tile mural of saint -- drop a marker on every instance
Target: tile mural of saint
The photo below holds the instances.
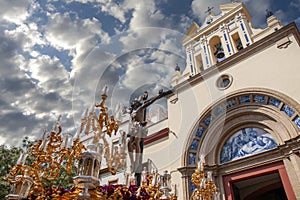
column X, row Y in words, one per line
column 246, row 142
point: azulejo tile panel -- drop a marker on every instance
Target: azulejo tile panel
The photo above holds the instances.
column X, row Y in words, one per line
column 230, row 103
column 200, row 131
column 297, row 122
column 274, row 102
column 207, row 120
column 192, row 158
column 288, row 110
column 247, row 142
column 259, row 98
column 244, row 99
column 194, row 145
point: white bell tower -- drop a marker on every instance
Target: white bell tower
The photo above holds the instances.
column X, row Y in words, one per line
column 220, row 37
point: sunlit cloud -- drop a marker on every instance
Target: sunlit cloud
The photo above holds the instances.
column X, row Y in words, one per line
column 56, row 56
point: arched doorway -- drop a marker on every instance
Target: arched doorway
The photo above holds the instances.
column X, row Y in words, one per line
column 274, row 115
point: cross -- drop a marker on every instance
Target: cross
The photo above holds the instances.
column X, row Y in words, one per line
column 209, row 10
column 135, row 144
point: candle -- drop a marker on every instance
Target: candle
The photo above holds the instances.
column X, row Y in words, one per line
column 100, row 149
column 202, row 159
column 63, row 144
column 76, row 136
column 118, row 115
column 209, row 175
column 122, row 139
column 201, row 162
column 144, row 176
column 203, row 184
column 44, row 135
column 127, row 180
column 105, row 90
column 44, row 140
column 154, row 179
column 22, row 158
column 175, row 190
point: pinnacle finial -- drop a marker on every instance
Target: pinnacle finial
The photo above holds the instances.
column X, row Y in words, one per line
column 269, row 13
column 177, row 68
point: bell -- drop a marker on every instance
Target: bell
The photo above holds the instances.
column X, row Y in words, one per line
column 219, row 53
column 239, row 47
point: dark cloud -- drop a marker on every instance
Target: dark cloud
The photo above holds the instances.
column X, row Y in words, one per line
column 8, row 49
column 14, row 126
column 15, row 86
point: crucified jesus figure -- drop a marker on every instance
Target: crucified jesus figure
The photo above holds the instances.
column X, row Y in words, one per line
column 137, row 130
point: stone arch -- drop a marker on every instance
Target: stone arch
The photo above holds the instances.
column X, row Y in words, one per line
column 262, row 108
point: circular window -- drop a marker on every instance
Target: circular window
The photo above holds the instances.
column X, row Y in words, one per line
column 224, row 81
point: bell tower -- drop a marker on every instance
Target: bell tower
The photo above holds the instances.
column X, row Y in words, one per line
column 220, row 37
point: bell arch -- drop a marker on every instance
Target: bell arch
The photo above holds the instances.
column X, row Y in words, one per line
column 266, row 109
column 217, row 49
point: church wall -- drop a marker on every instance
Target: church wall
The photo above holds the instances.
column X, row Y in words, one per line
column 270, row 63
column 270, row 68
column 273, row 68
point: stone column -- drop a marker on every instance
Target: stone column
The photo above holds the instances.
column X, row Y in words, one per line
column 186, row 177
column 292, row 164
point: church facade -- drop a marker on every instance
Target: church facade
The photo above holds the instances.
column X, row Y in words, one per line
column 237, row 103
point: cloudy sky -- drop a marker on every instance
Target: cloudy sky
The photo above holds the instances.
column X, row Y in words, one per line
column 56, row 55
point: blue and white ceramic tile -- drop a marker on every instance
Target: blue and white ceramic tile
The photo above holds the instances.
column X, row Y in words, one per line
column 194, row 145
column 207, row 120
column 192, row 158
column 259, row 99
column 288, row 110
column 200, row 131
column 244, row 99
column 297, row 122
column 274, row 102
column 246, row 142
column 192, row 186
column 230, row 103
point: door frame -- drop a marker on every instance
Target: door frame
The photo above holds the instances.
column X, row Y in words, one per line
column 259, row 171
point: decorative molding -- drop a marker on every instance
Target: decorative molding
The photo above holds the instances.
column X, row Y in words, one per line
column 283, row 43
column 113, row 181
column 157, row 136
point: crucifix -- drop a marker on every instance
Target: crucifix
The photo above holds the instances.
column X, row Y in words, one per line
column 209, row 19
column 209, row 9
column 137, row 130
